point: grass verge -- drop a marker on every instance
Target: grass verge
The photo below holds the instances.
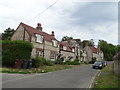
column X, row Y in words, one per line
column 106, row 79
column 44, row 69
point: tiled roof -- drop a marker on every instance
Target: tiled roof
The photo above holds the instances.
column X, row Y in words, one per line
column 94, row 50
column 32, row 31
column 68, row 47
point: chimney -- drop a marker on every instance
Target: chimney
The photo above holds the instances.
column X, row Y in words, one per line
column 39, row 28
column 52, row 33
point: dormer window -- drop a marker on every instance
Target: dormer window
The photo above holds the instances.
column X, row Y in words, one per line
column 64, row 48
column 54, row 43
column 73, row 50
column 39, row 38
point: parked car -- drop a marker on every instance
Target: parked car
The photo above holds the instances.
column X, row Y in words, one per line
column 98, row 64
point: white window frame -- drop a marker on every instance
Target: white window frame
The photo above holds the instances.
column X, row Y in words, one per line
column 64, row 48
column 54, row 43
column 39, row 53
column 39, row 38
column 73, row 50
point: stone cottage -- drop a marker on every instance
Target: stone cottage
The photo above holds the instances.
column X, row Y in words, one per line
column 89, row 53
column 93, row 52
column 45, row 45
column 67, row 51
column 97, row 53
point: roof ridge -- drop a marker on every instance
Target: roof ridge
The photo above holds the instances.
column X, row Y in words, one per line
column 34, row 28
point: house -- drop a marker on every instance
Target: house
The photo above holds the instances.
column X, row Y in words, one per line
column 83, row 55
column 45, row 45
column 97, row 53
column 79, row 53
column 89, row 53
column 67, row 51
column 93, row 53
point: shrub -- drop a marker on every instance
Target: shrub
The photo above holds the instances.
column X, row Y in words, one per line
column 12, row 50
column 75, row 62
column 85, row 62
column 40, row 61
column 59, row 61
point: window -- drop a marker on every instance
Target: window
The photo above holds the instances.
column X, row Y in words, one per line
column 52, row 55
column 73, row 50
column 64, row 48
column 39, row 53
column 54, row 43
column 39, row 38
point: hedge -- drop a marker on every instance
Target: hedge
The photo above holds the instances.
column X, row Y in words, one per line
column 40, row 61
column 12, row 50
column 75, row 62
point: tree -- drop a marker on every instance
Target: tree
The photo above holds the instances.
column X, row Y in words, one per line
column 108, row 49
column 7, row 34
column 78, row 41
column 118, row 48
column 87, row 43
column 66, row 38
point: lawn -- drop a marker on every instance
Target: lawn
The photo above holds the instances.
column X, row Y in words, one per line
column 106, row 79
column 44, row 69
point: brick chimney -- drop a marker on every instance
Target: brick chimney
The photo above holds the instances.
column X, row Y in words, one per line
column 39, row 28
column 52, row 33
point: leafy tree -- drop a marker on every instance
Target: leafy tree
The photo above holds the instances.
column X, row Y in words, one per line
column 78, row 41
column 109, row 50
column 118, row 48
column 66, row 38
column 7, row 34
column 87, row 43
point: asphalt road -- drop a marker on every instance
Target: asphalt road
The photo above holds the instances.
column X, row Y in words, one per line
column 78, row 77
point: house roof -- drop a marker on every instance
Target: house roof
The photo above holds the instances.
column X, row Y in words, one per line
column 68, row 47
column 94, row 50
column 32, row 31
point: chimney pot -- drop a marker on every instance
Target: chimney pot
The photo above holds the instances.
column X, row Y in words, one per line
column 39, row 25
column 53, row 33
column 39, row 28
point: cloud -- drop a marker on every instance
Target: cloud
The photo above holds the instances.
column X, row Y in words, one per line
column 84, row 20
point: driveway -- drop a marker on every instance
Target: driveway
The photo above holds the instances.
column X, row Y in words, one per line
column 78, row 77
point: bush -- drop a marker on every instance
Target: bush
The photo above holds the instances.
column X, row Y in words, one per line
column 85, row 62
column 40, row 61
column 75, row 62
column 12, row 50
column 59, row 61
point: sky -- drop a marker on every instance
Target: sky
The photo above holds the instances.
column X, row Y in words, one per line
column 83, row 19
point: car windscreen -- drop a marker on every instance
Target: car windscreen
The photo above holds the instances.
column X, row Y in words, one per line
column 98, row 63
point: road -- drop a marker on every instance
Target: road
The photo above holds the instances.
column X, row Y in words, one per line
column 78, row 77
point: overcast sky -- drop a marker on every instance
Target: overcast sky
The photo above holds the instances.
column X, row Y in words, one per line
column 84, row 20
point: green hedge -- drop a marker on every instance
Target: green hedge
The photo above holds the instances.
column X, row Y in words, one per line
column 75, row 62
column 40, row 61
column 12, row 50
